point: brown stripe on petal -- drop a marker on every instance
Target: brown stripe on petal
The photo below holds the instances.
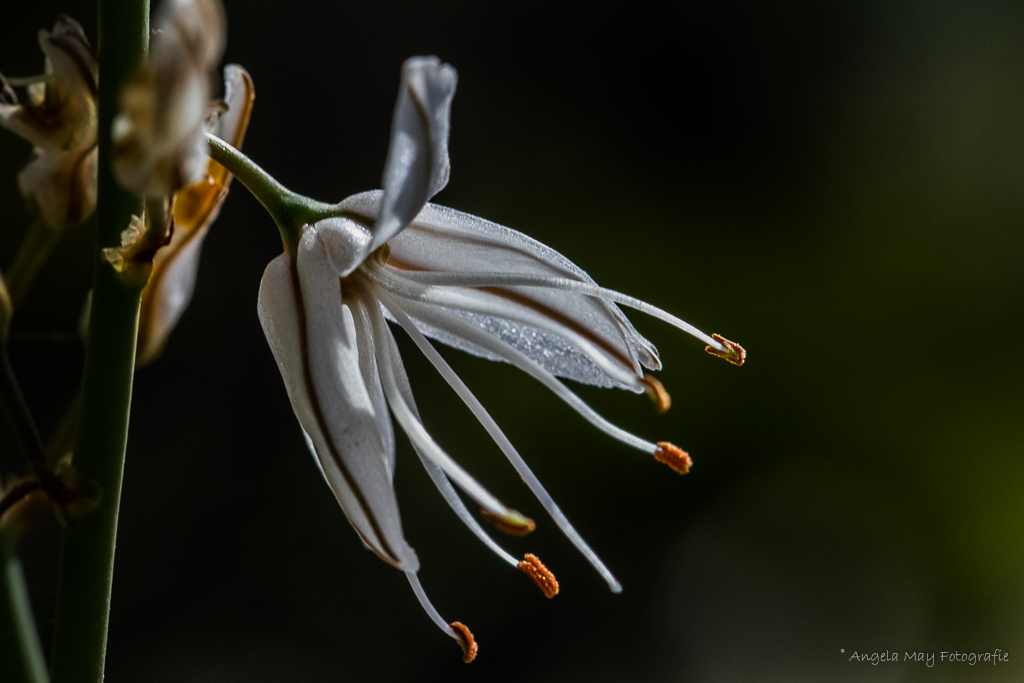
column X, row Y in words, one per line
column 673, row 456
column 466, row 640
column 538, row 307
column 391, row 557
column 540, row 575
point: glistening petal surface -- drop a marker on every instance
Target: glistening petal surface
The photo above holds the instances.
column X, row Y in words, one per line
column 444, row 240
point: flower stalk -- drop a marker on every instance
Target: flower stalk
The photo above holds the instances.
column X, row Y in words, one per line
column 290, row 210
column 87, row 560
column 20, row 652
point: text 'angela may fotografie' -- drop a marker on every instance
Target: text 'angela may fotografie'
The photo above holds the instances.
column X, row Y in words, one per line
column 997, row 656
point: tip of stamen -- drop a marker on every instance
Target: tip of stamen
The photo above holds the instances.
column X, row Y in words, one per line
column 733, row 352
column 540, row 575
column 673, row 456
column 466, row 640
column 514, row 524
column 657, row 393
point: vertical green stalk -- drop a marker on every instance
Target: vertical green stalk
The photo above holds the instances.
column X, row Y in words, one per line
column 87, row 560
column 21, row 656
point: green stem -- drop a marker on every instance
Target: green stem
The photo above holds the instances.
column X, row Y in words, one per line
column 21, row 656
column 87, row 559
column 290, row 210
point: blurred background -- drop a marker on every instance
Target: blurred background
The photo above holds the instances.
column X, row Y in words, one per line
column 837, row 186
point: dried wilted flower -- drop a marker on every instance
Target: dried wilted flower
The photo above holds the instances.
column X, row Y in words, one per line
column 159, row 139
column 59, row 119
column 195, row 207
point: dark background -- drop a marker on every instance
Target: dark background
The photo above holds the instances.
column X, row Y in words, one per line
column 837, row 186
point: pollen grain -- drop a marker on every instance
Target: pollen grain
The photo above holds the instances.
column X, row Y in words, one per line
column 673, row 456
column 466, row 640
column 540, row 575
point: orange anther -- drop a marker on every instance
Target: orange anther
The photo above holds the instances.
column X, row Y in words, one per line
column 508, row 526
column 734, row 353
column 466, row 640
column 657, row 393
column 540, row 575
column 673, row 456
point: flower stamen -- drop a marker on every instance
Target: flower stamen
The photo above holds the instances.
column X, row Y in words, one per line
column 730, row 351
column 459, row 327
column 488, row 423
column 456, row 629
column 673, row 456
column 656, row 392
column 512, row 527
column 540, row 575
column 466, row 640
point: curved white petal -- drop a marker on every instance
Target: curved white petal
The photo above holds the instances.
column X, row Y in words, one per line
column 444, row 240
column 417, row 165
column 318, row 353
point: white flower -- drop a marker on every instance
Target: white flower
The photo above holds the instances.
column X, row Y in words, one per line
column 59, row 119
column 158, row 137
column 465, row 282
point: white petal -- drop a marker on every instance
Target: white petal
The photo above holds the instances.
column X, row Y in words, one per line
column 564, row 344
column 437, row 475
column 315, row 345
column 445, row 240
column 417, row 164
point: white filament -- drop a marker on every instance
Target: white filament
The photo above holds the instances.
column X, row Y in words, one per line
column 456, row 326
column 485, row 279
column 428, row 607
column 503, row 443
column 387, row 360
column 437, row 475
